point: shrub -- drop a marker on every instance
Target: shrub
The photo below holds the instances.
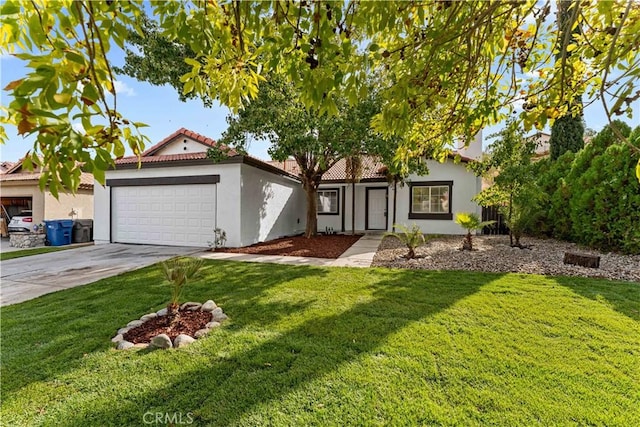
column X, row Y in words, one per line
column 470, row 222
column 410, row 238
column 178, row 271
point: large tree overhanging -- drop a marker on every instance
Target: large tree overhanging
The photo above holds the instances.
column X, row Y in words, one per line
column 451, row 66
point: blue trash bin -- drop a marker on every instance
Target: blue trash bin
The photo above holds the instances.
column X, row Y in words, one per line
column 59, row 231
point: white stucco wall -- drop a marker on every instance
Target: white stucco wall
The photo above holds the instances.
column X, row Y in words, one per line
column 182, row 145
column 228, row 215
column 465, row 186
column 81, row 202
column 272, row 206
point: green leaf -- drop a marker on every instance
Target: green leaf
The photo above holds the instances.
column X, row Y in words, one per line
column 10, row 8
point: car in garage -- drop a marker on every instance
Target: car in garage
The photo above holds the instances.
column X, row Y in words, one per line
column 21, row 222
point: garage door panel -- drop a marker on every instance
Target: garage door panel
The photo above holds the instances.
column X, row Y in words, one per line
column 164, row 215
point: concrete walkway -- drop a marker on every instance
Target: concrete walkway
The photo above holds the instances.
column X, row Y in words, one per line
column 359, row 255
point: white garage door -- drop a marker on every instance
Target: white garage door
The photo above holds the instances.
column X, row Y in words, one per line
column 175, row 215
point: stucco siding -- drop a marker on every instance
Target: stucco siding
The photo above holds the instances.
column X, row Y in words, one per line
column 81, row 203
column 182, row 145
column 28, row 190
column 272, row 206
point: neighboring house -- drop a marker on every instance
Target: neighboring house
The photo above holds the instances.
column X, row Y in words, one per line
column 20, row 191
column 5, row 166
column 430, row 201
column 542, row 144
column 178, row 197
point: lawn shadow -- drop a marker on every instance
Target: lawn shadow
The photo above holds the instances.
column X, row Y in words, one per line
column 87, row 317
column 624, row 297
column 222, row 391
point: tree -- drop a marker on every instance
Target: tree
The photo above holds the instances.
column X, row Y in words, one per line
column 450, row 66
column 316, row 141
column 470, row 222
column 513, row 190
column 567, row 132
column 353, row 166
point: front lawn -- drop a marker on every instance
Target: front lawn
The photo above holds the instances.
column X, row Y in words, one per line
column 331, row 346
column 34, row 251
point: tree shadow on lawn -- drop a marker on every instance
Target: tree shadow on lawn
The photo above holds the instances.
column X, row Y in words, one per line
column 624, row 297
column 227, row 387
column 50, row 335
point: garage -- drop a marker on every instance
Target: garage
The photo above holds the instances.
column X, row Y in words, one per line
column 177, row 211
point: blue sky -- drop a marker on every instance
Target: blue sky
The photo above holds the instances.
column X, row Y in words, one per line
column 160, row 108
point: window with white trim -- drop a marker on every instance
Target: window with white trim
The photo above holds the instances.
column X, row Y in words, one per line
column 328, row 201
column 430, row 200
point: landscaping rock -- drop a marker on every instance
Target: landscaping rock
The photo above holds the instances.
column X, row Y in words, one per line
column 212, row 325
column 209, row 306
column 117, row 338
column 161, row 341
column 218, row 316
column 123, row 331
column 201, row 333
column 141, row 345
column 182, row 340
column 148, row 317
column 123, row 345
column 162, row 312
column 134, row 323
column 188, row 305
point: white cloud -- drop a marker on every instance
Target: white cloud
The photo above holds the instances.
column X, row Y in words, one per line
column 123, row 89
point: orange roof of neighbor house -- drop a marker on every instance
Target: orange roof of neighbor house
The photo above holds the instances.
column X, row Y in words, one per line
column 86, row 179
column 162, row 158
column 6, row 166
column 188, row 133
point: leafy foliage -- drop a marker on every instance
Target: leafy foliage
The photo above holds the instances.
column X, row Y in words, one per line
column 411, row 238
column 178, row 271
column 470, row 222
column 567, row 134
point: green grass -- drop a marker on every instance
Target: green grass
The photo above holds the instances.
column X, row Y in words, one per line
column 28, row 252
column 316, row 346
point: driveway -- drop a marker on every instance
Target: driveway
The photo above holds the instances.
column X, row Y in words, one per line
column 25, row 278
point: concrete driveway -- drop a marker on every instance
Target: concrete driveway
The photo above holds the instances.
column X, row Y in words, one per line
column 25, row 278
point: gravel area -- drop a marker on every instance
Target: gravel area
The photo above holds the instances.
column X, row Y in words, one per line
column 493, row 254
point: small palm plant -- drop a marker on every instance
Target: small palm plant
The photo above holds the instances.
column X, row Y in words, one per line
column 410, row 238
column 470, row 222
column 178, row 271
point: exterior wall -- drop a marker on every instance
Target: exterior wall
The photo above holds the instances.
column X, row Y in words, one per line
column 228, row 215
column 182, row 145
column 272, row 206
column 27, row 190
column 474, row 150
column 465, row 186
column 81, row 202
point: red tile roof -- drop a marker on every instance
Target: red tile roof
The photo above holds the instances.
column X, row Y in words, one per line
column 163, row 158
column 86, row 179
column 188, row 133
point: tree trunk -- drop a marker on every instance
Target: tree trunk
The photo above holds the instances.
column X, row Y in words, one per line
column 509, row 218
column 353, row 207
column 312, row 210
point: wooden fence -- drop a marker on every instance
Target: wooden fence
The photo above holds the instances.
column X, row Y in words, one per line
column 491, row 213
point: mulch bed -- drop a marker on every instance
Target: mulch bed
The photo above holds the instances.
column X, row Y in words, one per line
column 188, row 323
column 320, row 246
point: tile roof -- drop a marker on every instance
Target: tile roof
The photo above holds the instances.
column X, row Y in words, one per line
column 6, row 166
column 186, row 132
column 163, row 158
column 86, row 179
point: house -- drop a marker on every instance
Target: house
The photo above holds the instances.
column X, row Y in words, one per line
column 174, row 195
column 20, row 191
column 430, row 201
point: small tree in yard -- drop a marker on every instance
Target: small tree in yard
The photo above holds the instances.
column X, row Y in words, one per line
column 178, row 271
column 410, row 238
column 470, row 222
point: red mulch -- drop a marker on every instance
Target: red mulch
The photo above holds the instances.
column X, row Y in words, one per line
column 320, row 246
column 188, row 323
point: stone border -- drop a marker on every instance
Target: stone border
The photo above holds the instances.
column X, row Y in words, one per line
column 162, row 340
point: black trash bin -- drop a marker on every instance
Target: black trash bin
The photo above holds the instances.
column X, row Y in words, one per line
column 82, row 230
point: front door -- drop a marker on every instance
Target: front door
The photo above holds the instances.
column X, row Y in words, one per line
column 376, row 215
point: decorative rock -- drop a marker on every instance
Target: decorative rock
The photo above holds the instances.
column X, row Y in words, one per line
column 187, row 305
column 212, row 325
column 26, row 240
column 134, row 323
column 194, row 307
column 201, row 333
column 182, row 340
column 209, row 306
column 123, row 345
column 117, row 338
column 161, row 341
column 149, row 316
column 123, row 331
column 218, row 316
column 141, row 345
column 162, row 312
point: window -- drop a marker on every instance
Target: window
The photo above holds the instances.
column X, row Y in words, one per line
column 430, row 200
column 328, row 201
